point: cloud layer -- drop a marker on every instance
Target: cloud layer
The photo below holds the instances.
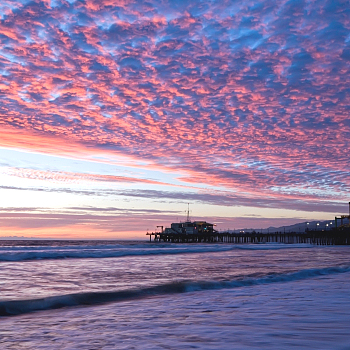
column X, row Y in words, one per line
column 251, row 96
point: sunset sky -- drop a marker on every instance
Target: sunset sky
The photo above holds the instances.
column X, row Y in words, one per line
column 116, row 114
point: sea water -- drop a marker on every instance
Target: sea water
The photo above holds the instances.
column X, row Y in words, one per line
column 141, row 295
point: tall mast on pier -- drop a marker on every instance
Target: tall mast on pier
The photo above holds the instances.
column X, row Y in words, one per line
column 188, row 212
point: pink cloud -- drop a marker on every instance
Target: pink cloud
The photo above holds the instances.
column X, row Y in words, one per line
column 254, row 101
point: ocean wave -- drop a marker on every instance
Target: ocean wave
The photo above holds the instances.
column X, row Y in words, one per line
column 18, row 307
column 107, row 251
column 98, row 253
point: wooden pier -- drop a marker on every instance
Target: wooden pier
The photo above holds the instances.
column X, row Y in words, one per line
column 331, row 237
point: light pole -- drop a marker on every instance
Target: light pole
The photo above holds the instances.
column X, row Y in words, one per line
column 318, row 224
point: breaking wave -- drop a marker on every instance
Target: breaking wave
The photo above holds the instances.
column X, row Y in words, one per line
column 67, row 253
column 107, row 251
column 18, row 307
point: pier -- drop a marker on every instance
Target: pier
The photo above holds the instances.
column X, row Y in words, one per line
column 331, row 237
column 202, row 231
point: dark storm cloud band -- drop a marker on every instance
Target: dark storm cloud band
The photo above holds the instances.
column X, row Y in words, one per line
column 213, row 198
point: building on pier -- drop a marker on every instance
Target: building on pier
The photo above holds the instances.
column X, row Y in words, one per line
column 190, row 228
column 344, row 220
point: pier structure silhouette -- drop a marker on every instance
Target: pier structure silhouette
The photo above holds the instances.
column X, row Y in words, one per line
column 332, row 237
column 202, row 231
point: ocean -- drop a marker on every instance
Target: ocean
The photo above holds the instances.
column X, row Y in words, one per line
column 142, row 295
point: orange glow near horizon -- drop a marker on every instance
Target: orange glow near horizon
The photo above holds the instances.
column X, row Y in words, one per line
column 69, row 232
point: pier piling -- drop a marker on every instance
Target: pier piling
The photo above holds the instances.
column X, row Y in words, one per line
column 332, row 237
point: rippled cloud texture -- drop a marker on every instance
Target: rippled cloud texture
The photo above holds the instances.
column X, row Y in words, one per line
column 246, row 101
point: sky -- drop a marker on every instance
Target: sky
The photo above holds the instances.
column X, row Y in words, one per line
column 114, row 115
